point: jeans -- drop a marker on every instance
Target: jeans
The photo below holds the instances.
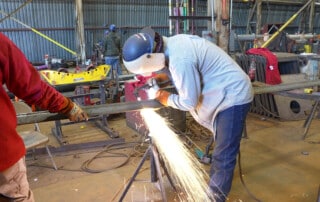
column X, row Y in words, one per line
column 114, row 62
column 230, row 124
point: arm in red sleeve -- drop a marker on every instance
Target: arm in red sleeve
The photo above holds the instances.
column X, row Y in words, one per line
column 22, row 79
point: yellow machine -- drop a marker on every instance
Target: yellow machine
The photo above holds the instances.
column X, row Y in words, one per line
column 62, row 78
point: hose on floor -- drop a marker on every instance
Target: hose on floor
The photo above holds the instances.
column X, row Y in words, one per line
column 134, row 147
column 242, row 180
column 108, row 150
column 318, row 194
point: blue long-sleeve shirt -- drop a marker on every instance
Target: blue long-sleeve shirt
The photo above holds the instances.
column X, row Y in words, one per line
column 206, row 78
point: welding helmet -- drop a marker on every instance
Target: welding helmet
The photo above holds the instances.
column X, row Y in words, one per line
column 112, row 27
column 140, row 54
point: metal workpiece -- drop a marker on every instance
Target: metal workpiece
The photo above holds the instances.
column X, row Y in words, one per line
column 251, row 37
column 115, row 108
column 285, row 87
column 121, row 107
column 36, row 117
column 93, row 110
column 145, row 86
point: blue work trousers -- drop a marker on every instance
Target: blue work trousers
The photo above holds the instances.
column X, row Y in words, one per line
column 230, row 124
column 114, row 62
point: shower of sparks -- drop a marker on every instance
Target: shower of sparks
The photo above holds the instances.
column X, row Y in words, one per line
column 184, row 167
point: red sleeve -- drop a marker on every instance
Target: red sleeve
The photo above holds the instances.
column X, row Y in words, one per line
column 23, row 80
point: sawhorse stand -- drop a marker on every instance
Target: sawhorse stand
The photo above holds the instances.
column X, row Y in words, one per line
column 100, row 121
column 155, row 171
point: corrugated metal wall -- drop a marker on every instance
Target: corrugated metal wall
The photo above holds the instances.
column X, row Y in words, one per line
column 272, row 14
column 56, row 19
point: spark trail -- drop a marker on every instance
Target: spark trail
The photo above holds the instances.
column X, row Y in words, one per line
column 184, row 167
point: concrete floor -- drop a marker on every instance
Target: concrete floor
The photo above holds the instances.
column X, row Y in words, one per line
column 277, row 165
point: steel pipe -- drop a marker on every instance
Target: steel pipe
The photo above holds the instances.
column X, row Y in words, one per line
column 251, row 37
column 285, row 87
column 92, row 110
column 115, row 108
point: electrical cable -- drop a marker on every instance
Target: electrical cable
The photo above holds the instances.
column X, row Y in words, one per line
column 108, row 149
column 242, row 181
column 85, row 167
column 318, row 200
column 266, row 110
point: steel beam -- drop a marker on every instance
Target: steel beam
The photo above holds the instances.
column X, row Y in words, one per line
column 285, row 87
column 92, row 110
column 251, row 37
column 115, row 108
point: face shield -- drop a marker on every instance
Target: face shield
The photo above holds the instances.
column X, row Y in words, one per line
column 138, row 56
column 147, row 63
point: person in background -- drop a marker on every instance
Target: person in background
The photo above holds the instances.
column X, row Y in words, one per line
column 112, row 49
column 22, row 79
column 209, row 84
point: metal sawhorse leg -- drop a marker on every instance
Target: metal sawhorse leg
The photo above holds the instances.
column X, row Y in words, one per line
column 308, row 121
column 155, row 172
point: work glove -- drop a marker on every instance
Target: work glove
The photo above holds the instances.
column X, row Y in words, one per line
column 73, row 111
column 77, row 114
column 162, row 96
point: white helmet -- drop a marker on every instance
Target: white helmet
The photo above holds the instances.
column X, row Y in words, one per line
column 138, row 53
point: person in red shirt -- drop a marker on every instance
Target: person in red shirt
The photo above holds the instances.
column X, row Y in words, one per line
column 23, row 80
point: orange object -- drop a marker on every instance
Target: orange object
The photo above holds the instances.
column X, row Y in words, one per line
column 162, row 96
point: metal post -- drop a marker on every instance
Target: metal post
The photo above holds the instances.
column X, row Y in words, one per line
column 308, row 121
column 259, row 16
column 80, row 31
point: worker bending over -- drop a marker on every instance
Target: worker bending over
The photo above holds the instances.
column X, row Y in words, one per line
column 209, row 84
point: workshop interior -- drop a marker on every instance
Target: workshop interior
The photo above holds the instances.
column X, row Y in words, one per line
column 112, row 156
